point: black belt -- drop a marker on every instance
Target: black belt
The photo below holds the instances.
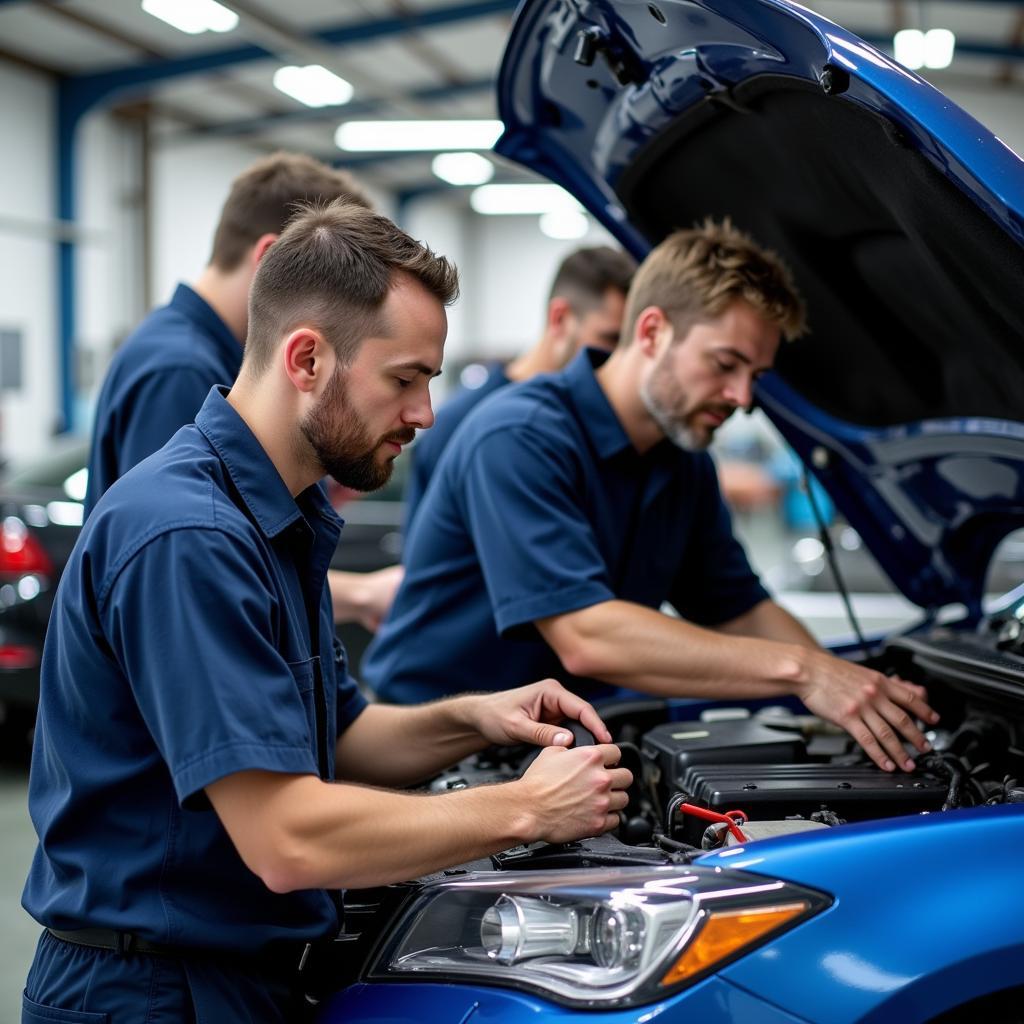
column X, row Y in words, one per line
column 287, row 959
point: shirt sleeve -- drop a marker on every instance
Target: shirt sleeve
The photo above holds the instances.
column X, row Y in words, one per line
column 162, row 403
column 536, row 548
column 190, row 618
column 715, row 582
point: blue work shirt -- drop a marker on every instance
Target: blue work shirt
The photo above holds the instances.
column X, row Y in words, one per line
column 430, row 443
column 541, row 506
column 190, row 638
column 156, row 383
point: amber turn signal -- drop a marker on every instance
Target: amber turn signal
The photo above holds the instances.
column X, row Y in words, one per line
column 725, row 933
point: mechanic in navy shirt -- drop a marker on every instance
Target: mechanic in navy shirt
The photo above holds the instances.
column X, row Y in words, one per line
column 566, row 510
column 163, row 372
column 584, row 310
column 194, row 712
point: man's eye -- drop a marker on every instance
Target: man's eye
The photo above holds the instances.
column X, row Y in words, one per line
column 725, row 367
column 402, row 382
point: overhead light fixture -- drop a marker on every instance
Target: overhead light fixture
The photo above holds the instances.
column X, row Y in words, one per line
column 915, row 49
column 564, row 224
column 416, row 136
column 462, row 168
column 192, row 16
column 313, row 85
column 939, row 44
column 521, row 199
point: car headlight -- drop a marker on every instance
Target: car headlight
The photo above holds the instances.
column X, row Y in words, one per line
column 594, row 937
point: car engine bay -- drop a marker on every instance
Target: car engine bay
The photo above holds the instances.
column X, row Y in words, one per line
column 708, row 777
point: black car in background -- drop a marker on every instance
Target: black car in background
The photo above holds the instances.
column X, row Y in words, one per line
column 41, row 515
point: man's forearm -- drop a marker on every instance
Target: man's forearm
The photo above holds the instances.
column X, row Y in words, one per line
column 399, row 746
column 629, row 645
column 770, row 621
column 302, row 833
column 363, row 597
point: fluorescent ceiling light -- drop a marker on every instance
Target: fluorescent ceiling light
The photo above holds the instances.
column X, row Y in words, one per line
column 412, row 136
column 501, row 199
column 932, row 49
column 565, row 223
column 192, row 16
column 908, row 48
column 462, row 168
column 939, row 44
column 313, row 85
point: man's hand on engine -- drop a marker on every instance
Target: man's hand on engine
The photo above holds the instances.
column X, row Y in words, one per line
column 574, row 794
column 531, row 714
column 878, row 711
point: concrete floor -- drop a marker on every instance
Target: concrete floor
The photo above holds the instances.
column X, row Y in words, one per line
column 19, row 932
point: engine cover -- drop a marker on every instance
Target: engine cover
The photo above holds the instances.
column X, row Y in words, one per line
column 676, row 746
column 776, row 791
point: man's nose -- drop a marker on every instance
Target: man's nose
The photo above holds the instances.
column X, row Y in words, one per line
column 740, row 391
column 420, row 413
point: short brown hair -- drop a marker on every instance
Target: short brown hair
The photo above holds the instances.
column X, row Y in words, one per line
column 332, row 269
column 266, row 196
column 585, row 275
column 695, row 274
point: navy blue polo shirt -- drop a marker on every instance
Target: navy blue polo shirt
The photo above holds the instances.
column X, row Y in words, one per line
column 190, row 636
column 430, row 443
column 156, row 383
column 541, row 506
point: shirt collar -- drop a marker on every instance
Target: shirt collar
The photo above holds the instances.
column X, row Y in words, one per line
column 194, row 307
column 257, row 479
column 592, row 406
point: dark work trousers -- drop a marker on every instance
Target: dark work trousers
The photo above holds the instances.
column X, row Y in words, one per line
column 71, row 984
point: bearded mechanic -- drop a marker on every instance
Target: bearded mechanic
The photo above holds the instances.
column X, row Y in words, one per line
column 567, row 509
column 201, row 759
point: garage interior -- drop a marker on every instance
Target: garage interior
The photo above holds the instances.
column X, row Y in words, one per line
column 123, row 133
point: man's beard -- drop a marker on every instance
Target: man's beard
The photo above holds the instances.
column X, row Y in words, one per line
column 342, row 444
column 666, row 401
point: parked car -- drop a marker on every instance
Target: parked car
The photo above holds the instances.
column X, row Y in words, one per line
column 766, row 872
column 41, row 515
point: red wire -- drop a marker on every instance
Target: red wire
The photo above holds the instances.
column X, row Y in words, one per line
column 726, row 819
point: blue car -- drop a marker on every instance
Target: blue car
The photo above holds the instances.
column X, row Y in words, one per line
column 766, row 871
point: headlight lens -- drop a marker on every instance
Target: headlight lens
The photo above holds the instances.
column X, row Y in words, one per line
column 596, row 938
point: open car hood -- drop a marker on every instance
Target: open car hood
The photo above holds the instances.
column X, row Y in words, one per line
column 901, row 216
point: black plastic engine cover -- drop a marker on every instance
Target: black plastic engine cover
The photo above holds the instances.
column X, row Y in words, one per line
column 676, row 746
column 770, row 792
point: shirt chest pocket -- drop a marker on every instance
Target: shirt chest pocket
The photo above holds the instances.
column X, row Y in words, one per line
column 306, row 674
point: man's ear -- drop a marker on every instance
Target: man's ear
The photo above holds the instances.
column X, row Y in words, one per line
column 308, row 359
column 650, row 330
column 259, row 250
column 560, row 317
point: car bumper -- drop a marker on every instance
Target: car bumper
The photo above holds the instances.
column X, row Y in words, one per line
column 713, row 1001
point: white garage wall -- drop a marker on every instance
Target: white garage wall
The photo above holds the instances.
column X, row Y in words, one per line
column 27, row 257
column 110, row 262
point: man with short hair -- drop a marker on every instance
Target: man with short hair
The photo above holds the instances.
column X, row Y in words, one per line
column 160, row 376
column 201, row 758
column 584, row 310
column 568, row 509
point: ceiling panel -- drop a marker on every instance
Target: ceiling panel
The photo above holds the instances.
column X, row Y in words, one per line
column 40, row 35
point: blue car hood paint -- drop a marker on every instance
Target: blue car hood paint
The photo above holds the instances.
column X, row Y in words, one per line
column 915, row 434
